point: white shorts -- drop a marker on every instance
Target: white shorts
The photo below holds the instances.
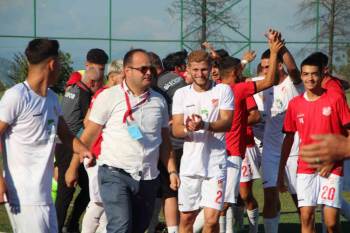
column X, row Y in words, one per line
column 94, row 190
column 234, row 164
column 250, row 165
column 291, row 174
column 346, row 169
column 313, row 189
column 196, row 192
column 32, row 218
column 269, row 167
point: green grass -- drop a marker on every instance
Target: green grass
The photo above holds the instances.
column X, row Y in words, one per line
column 289, row 218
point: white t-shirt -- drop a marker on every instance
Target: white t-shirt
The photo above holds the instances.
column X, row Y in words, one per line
column 204, row 154
column 28, row 143
column 118, row 149
column 259, row 127
column 276, row 101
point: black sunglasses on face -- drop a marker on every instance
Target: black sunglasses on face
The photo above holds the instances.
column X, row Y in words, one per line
column 144, row 69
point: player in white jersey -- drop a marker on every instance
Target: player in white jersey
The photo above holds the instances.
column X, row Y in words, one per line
column 275, row 102
column 202, row 112
column 30, row 118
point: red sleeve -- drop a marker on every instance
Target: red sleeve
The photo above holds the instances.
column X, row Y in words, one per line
column 289, row 125
column 333, row 84
column 74, row 78
column 343, row 111
column 249, row 88
column 251, row 104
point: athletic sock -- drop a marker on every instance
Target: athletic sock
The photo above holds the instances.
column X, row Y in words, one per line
column 229, row 220
column 253, row 217
column 173, row 229
column 91, row 219
column 199, row 222
column 222, row 224
column 271, row 224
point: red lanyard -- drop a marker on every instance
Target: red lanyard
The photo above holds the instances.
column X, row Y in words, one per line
column 128, row 112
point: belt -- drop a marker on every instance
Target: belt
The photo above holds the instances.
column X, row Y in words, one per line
column 116, row 169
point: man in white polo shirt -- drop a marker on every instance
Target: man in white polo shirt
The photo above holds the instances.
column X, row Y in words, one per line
column 30, row 118
column 134, row 123
column 202, row 112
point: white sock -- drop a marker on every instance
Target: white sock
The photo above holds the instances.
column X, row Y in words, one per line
column 345, row 209
column 271, row 224
column 173, row 229
column 155, row 217
column 222, row 224
column 92, row 216
column 238, row 212
column 229, row 220
column 103, row 224
column 253, row 217
column 199, row 222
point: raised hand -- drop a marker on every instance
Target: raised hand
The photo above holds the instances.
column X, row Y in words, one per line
column 249, row 56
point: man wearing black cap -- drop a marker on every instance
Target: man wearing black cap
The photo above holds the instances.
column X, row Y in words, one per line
column 75, row 102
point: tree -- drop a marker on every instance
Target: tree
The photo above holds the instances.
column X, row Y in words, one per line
column 19, row 70
column 344, row 69
column 206, row 17
column 333, row 21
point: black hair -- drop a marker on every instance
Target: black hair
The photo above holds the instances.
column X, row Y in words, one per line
column 173, row 60
column 312, row 61
column 155, row 60
column 127, row 60
column 266, row 55
column 40, row 49
column 323, row 58
column 227, row 64
column 97, row 56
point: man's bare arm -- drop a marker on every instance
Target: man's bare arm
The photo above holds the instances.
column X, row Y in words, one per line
column 270, row 79
column 254, row 116
column 285, row 151
column 167, row 156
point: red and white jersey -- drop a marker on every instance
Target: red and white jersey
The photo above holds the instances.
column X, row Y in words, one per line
column 328, row 114
column 251, row 104
column 276, row 101
column 204, row 152
column 236, row 137
column 333, row 84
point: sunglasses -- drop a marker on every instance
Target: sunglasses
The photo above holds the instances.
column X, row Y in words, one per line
column 144, row 69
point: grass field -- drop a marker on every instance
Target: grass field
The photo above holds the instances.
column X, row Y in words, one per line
column 289, row 217
column 289, row 222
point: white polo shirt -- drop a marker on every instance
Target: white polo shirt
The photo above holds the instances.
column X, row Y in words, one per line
column 204, row 153
column 118, row 148
column 28, row 143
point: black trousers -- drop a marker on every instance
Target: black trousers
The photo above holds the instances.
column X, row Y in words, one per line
column 65, row 194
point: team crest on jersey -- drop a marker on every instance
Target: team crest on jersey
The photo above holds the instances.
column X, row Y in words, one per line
column 215, row 102
column 326, row 111
column 301, row 118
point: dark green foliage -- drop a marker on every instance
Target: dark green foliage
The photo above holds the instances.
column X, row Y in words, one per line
column 19, row 70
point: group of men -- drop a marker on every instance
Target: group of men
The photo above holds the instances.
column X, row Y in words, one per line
column 201, row 159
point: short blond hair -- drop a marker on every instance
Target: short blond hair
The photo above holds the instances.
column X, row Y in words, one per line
column 116, row 66
column 199, row 56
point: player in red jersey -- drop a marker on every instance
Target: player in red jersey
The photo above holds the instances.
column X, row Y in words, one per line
column 317, row 111
column 230, row 72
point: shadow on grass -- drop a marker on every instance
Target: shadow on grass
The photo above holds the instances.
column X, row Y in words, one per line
column 295, row 228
